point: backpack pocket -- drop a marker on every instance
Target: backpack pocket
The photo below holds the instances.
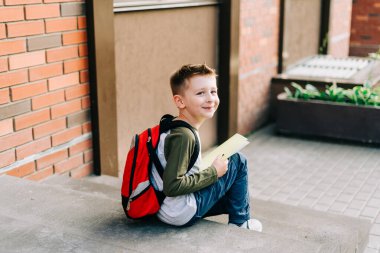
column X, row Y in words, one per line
column 142, row 202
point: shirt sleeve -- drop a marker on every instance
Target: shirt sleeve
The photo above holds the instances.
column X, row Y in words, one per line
column 178, row 148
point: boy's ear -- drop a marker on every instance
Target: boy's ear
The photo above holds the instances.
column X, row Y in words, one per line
column 178, row 101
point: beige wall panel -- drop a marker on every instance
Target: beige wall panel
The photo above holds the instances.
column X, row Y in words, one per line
column 149, row 46
column 340, row 28
column 301, row 30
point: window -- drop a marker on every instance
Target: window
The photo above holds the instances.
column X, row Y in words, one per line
column 129, row 5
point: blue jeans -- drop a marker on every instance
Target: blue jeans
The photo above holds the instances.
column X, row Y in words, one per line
column 229, row 195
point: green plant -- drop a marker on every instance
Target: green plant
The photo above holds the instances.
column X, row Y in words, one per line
column 359, row 95
column 375, row 55
column 309, row 92
column 334, row 93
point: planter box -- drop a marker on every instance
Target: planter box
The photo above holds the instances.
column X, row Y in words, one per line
column 328, row 119
column 282, row 80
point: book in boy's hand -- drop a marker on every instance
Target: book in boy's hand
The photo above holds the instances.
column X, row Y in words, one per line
column 226, row 149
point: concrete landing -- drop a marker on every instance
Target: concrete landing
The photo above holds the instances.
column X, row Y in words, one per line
column 88, row 186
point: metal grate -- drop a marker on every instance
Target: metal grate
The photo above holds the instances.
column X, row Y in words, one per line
column 328, row 67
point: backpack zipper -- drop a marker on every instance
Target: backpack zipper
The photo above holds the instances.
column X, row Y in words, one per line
column 135, row 197
column 133, row 165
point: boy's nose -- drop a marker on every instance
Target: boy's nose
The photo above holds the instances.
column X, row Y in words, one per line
column 209, row 97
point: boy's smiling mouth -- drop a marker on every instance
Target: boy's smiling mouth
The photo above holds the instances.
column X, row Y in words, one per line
column 208, row 107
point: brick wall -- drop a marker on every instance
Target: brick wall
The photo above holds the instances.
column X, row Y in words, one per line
column 365, row 27
column 45, row 123
column 257, row 60
column 339, row 28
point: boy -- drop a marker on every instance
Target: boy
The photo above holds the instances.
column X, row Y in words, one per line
column 222, row 188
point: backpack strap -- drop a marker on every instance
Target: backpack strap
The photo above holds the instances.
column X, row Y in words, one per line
column 167, row 123
column 153, row 155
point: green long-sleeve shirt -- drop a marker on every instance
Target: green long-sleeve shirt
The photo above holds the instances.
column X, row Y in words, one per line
column 178, row 148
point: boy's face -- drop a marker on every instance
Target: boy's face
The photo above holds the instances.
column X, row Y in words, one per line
column 199, row 99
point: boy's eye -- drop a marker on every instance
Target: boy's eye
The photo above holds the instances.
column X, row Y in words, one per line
column 213, row 92
column 200, row 93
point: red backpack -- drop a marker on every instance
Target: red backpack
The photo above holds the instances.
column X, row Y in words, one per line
column 139, row 198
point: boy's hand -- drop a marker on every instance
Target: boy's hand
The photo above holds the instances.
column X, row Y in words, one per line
column 220, row 165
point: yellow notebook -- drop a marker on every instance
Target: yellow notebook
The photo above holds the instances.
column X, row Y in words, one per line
column 226, row 149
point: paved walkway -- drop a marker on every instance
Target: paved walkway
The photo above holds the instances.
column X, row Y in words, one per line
column 341, row 178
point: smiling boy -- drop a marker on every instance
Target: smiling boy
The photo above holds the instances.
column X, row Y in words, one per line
column 193, row 194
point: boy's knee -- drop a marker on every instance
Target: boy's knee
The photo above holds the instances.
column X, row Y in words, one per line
column 239, row 160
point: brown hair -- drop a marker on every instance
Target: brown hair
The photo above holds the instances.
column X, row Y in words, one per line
column 178, row 78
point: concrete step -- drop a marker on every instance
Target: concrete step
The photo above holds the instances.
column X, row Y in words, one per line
column 338, row 234
column 334, row 233
column 350, row 233
column 344, row 234
column 74, row 221
column 88, row 186
column 24, row 235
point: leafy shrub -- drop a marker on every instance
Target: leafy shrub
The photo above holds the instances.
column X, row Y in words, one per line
column 359, row 95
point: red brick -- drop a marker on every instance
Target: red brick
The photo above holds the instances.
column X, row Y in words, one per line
column 3, row 64
column 49, row 128
column 2, row 31
column 86, row 127
column 88, row 156
column 12, row 46
column 48, row 99
column 11, row 13
column 13, row 78
column 6, row 126
column 69, row 164
column 77, row 91
column 4, row 96
column 42, row 11
column 63, row 81
column 80, row 147
column 26, row 60
column 28, row 90
column 82, row 23
column 41, row 174
column 52, row 158
column 82, row 171
column 75, row 65
column 17, row 2
column 61, row 24
column 16, row 139
column 31, row 119
column 23, row 170
column 7, row 157
column 31, row 148
column 45, row 71
column 83, row 50
column 361, row 17
column 66, row 135
column 65, row 108
column 63, row 53
column 74, row 37
column 25, row 28
column 86, row 103
column 83, row 76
